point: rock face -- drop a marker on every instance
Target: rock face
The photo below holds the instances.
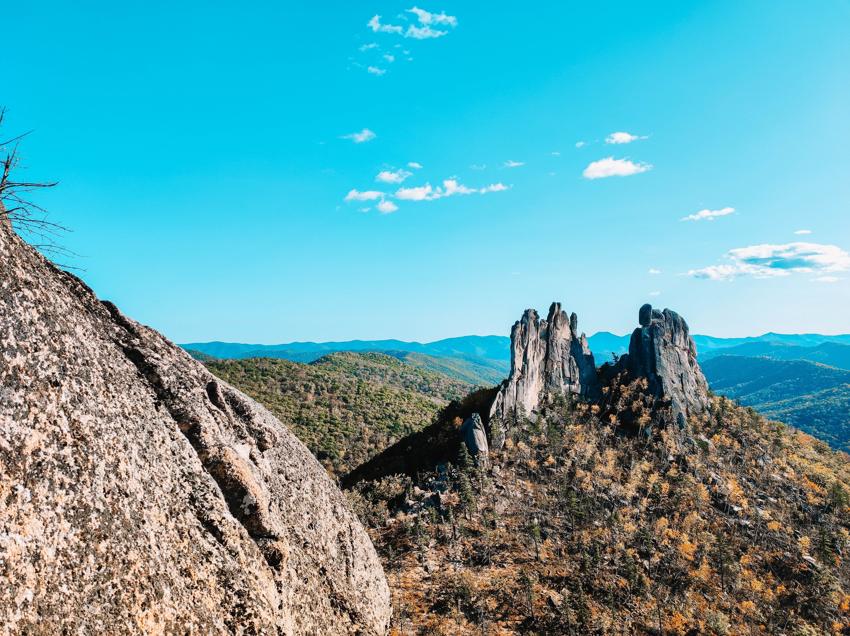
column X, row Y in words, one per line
column 142, row 495
column 475, row 437
column 547, row 356
column 662, row 351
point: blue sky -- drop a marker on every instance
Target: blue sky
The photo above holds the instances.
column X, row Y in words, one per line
column 205, row 151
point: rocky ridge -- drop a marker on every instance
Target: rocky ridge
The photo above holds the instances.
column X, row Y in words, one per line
column 140, row 494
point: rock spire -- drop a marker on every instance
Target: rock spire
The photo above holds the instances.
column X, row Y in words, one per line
column 547, row 357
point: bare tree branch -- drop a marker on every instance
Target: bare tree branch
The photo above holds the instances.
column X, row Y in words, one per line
column 21, row 211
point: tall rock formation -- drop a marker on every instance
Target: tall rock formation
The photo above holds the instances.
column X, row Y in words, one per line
column 142, row 495
column 662, row 351
column 547, row 357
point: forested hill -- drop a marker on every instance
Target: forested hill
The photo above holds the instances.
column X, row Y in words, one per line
column 344, row 406
column 812, row 397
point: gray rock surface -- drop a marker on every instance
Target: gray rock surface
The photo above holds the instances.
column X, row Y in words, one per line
column 662, row 351
column 142, row 495
column 547, row 356
column 475, row 436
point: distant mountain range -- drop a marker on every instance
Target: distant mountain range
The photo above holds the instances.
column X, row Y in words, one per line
column 494, row 352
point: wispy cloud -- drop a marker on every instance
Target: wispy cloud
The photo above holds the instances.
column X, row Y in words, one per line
column 368, row 47
column 708, row 215
column 622, row 138
column 555, row 153
column 426, row 17
column 654, row 271
column 367, row 195
column 581, row 144
column 478, row 166
column 389, row 57
column 386, row 207
column 424, row 30
column 377, row 27
column 654, row 293
column 510, row 163
column 610, row 167
column 376, row 70
column 769, row 261
column 423, row 33
column 361, row 137
column 392, row 176
column 450, row 187
column 414, row 165
column 803, row 232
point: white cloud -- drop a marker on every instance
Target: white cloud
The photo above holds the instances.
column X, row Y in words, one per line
column 450, row 187
column 826, row 279
column 513, row 164
column 360, row 137
column 423, row 33
column 610, row 167
column 389, row 58
column 654, row 271
column 622, row 138
column 581, row 144
column 414, row 165
column 368, row 47
column 386, row 207
column 708, row 215
column 377, row 27
column 655, row 293
column 374, row 70
column 368, row 195
column 803, row 232
column 769, row 261
column 392, row 176
column 426, row 17
column 418, row 193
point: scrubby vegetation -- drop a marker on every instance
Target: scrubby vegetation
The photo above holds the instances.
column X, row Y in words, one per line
column 585, row 524
column 345, row 406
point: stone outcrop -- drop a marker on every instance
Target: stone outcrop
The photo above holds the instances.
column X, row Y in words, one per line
column 547, row 356
column 142, row 495
column 662, row 351
column 475, row 437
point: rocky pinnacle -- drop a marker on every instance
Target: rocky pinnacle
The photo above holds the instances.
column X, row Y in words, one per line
column 547, row 356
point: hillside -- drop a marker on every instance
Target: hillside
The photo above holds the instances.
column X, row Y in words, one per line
column 468, row 369
column 344, row 406
column 812, row 397
column 617, row 500
column 578, row 526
